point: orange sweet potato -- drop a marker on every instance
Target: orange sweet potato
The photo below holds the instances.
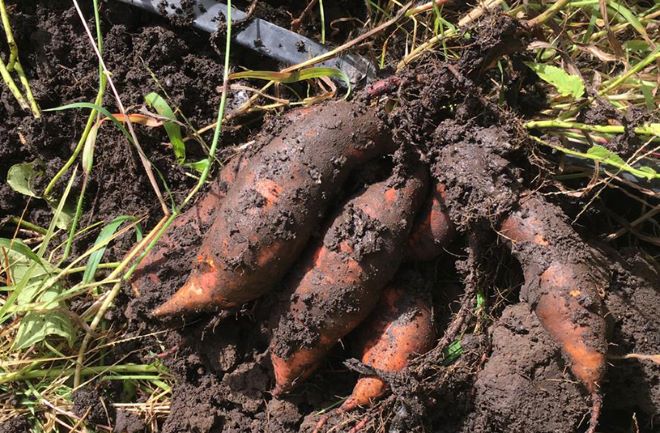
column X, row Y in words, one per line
column 276, row 203
column 563, row 278
column 433, row 229
column 400, row 327
column 339, row 283
column 199, row 216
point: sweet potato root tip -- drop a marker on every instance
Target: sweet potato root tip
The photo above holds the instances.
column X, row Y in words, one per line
column 335, row 288
column 192, row 297
column 400, row 327
column 563, row 277
column 557, row 312
column 366, row 390
column 432, row 230
column 278, row 200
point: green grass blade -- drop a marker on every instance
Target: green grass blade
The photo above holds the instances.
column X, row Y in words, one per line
column 172, row 128
column 103, row 238
column 295, row 76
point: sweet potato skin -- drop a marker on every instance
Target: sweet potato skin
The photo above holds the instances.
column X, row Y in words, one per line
column 199, row 216
column 332, row 292
column 276, row 203
column 563, row 278
column 400, row 327
column 433, row 230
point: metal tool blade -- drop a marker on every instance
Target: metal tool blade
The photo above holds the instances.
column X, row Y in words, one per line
column 263, row 37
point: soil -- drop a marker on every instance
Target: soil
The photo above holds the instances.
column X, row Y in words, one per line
column 510, row 376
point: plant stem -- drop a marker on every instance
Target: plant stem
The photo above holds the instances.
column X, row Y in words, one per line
column 6, row 77
column 609, row 129
column 612, row 84
column 34, row 106
column 87, row 371
column 14, row 63
column 547, row 14
column 13, row 48
column 27, row 225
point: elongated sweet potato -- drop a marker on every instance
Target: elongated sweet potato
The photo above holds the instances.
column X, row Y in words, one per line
column 400, row 327
column 199, row 216
column 335, row 289
column 276, row 203
column 563, row 278
column 433, row 229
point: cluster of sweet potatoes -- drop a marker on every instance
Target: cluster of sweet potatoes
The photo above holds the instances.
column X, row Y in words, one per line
column 280, row 217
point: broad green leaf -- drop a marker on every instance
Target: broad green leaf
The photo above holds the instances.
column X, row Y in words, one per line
column 64, row 216
column 21, row 178
column 103, row 238
column 37, row 326
column 21, row 262
column 605, row 155
column 565, row 83
column 172, row 128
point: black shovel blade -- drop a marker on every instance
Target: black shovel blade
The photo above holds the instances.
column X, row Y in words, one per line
column 263, row 37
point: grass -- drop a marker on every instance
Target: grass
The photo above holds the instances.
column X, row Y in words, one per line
column 48, row 350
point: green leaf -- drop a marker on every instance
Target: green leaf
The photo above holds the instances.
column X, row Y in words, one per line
column 565, row 83
column 453, row 352
column 103, row 238
column 21, row 178
column 199, row 166
column 172, row 128
column 88, row 149
column 98, row 108
column 605, row 155
column 481, row 300
column 18, row 246
column 37, row 326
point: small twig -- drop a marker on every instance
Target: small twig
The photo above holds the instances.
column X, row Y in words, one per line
column 296, row 23
column 547, row 14
column 351, row 43
column 248, row 14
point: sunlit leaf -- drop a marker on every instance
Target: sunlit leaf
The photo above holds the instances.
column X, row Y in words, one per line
column 36, row 326
column 21, row 178
column 172, row 128
column 565, row 83
column 103, row 238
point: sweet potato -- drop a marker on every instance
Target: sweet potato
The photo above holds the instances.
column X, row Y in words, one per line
column 400, row 327
column 276, row 204
column 200, row 216
column 563, row 278
column 339, row 283
column 432, row 230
